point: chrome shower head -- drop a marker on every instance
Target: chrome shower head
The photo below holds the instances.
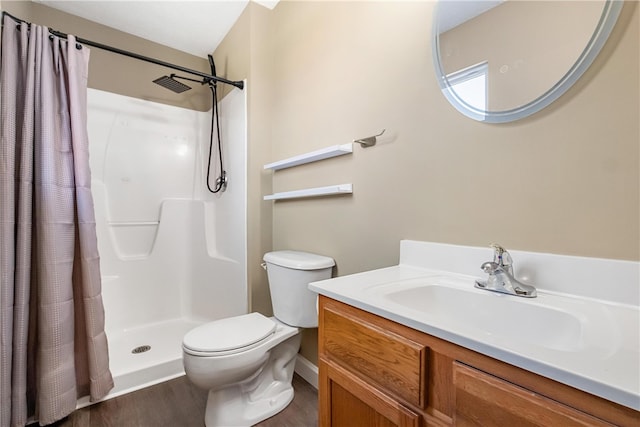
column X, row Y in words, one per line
column 169, row 82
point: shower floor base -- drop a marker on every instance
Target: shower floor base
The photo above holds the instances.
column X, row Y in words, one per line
column 133, row 367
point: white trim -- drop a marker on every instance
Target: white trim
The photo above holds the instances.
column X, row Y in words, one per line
column 307, row 370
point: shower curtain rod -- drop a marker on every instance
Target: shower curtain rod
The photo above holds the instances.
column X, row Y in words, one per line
column 205, row 76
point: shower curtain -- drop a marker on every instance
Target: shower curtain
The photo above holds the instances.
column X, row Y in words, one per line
column 53, row 348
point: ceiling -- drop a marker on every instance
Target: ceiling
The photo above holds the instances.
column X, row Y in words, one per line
column 196, row 26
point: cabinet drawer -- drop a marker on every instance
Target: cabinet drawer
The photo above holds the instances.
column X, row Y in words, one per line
column 484, row 400
column 394, row 362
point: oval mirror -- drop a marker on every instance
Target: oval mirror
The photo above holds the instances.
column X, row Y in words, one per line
column 502, row 60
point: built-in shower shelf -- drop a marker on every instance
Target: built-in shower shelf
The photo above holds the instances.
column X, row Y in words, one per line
column 312, row 192
column 313, row 156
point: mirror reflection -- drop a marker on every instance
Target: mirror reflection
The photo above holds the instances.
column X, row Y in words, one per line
column 496, row 56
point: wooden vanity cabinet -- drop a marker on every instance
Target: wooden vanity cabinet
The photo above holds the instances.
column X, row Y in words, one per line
column 377, row 373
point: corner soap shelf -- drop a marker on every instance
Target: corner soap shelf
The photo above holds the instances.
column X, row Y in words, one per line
column 313, row 156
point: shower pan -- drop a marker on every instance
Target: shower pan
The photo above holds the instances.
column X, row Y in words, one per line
column 172, row 254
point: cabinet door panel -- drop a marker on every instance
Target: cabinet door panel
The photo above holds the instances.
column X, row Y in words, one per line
column 351, row 402
column 484, row 400
column 390, row 360
column 353, row 412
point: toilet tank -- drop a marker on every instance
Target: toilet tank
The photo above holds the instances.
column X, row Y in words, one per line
column 290, row 273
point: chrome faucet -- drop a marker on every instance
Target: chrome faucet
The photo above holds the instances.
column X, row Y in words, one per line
column 501, row 278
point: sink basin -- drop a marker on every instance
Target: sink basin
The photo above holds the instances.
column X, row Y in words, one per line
column 551, row 322
column 496, row 315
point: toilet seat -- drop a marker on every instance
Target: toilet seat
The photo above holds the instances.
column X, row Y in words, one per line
column 228, row 336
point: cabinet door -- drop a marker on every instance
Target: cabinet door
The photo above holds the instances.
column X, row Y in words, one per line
column 348, row 401
column 484, row 400
column 394, row 362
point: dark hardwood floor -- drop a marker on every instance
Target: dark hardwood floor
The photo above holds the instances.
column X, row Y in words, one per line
column 178, row 403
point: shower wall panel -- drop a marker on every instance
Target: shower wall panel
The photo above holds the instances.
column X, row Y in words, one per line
column 225, row 219
column 168, row 250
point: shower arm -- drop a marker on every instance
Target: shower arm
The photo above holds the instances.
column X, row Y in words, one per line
column 204, row 80
column 208, row 78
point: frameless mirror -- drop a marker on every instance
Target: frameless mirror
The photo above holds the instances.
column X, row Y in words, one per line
column 502, row 60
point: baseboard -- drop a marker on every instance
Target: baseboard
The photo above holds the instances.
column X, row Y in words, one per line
column 307, row 370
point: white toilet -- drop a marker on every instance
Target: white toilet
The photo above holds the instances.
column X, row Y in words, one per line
column 246, row 362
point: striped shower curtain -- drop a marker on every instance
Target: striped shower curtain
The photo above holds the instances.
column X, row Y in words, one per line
column 53, row 348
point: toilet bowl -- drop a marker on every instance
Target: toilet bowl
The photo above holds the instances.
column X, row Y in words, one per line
column 247, row 362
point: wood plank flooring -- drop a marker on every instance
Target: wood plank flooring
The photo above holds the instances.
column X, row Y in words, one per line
column 178, row 403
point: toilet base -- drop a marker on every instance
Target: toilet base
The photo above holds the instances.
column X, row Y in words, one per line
column 229, row 407
column 263, row 395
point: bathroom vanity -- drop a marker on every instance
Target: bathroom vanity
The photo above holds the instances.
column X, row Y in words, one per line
column 383, row 361
column 375, row 372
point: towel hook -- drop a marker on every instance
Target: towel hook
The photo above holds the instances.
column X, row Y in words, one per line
column 369, row 141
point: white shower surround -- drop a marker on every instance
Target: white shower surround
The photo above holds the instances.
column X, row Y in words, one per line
column 172, row 254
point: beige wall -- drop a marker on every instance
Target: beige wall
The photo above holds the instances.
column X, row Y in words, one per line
column 116, row 73
column 565, row 180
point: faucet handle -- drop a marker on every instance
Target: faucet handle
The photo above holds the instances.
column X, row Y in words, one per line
column 502, row 257
column 497, row 251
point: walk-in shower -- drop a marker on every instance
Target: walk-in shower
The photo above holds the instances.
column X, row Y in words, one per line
column 172, row 254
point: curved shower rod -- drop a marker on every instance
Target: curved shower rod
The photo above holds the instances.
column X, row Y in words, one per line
column 207, row 77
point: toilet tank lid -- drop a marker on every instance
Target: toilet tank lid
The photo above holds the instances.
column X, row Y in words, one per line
column 299, row 260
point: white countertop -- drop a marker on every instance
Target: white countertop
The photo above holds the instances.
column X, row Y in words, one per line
column 607, row 361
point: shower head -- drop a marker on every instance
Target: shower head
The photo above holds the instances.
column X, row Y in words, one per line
column 169, row 82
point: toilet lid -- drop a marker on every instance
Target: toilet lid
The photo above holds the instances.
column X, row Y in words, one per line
column 229, row 334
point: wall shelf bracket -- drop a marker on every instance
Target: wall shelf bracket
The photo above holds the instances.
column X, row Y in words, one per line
column 368, row 141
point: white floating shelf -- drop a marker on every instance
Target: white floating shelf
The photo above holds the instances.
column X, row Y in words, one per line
column 314, row 156
column 312, row 192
